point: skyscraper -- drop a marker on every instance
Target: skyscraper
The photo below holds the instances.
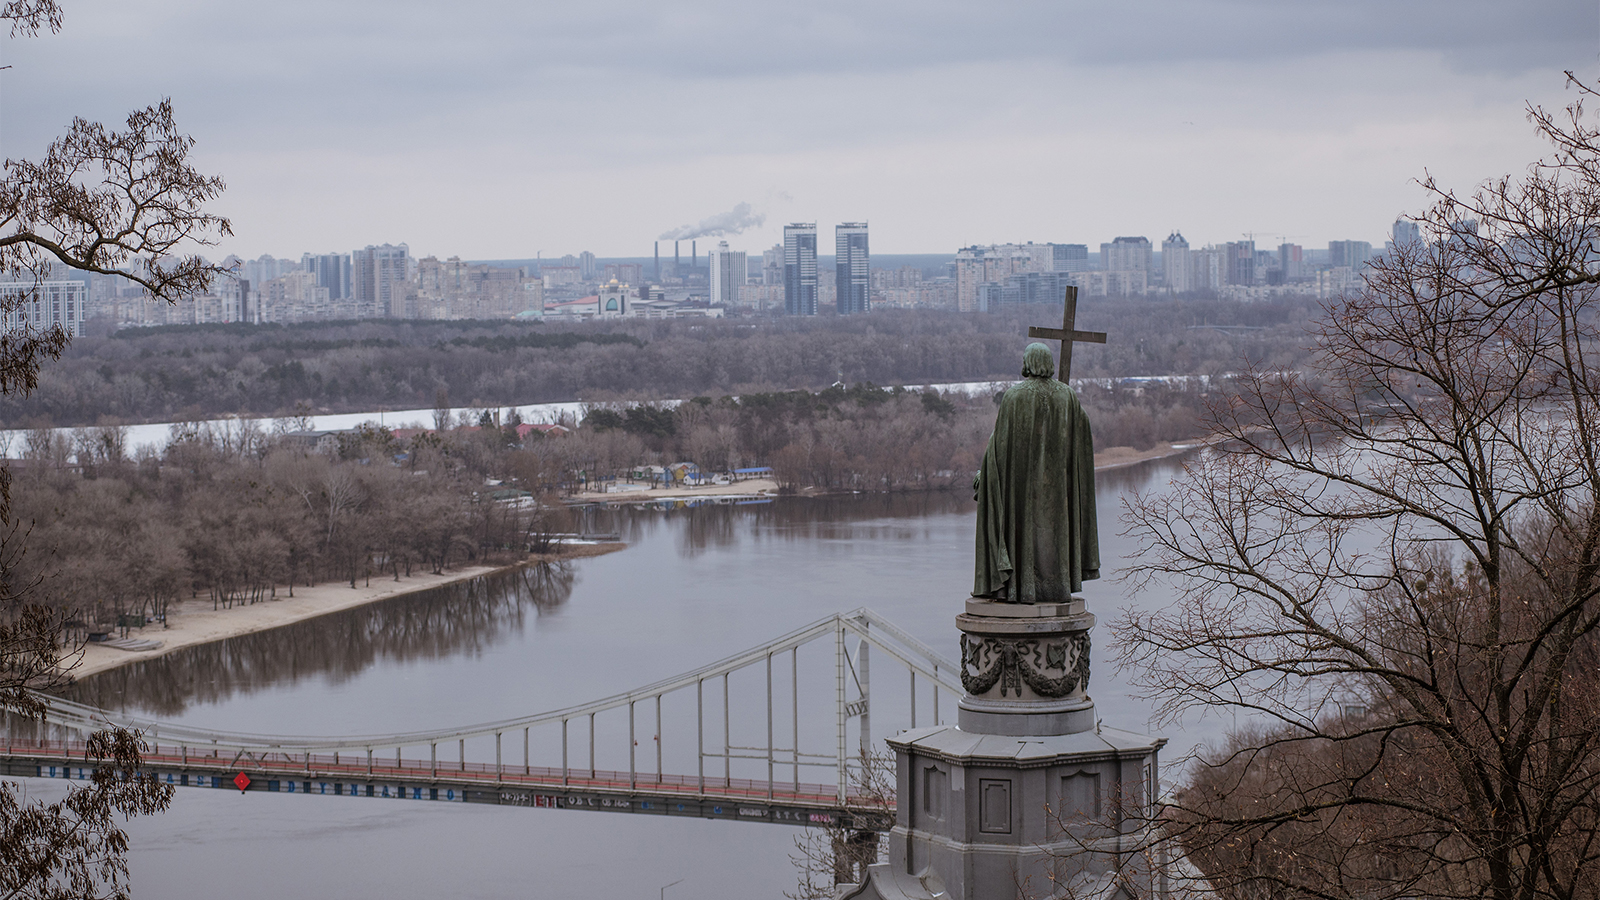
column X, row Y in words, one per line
column 332, row 271
column 1349, row 253
column 1126, row 254
column 729, row 271
column 1406, row 232
column 772, row 265
column 800, row 269
column 378, row 277
column 1175, row 263
column 1241, row 262
column 1069, row 257
column 1291, row 259
column 852, row 269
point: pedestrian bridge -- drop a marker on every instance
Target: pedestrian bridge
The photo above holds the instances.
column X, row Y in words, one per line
column 797, row 775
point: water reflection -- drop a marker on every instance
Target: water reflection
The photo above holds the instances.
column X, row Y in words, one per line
column 721, row 526
column 465, row 617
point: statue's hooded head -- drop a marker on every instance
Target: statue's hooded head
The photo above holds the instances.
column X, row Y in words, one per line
column 1037, row 362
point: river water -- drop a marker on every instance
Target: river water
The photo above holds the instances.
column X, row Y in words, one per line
column 694, row 585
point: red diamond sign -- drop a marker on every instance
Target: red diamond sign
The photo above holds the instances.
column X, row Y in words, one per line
column 242, row 780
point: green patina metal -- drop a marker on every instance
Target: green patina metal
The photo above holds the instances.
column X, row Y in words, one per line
column 1037, row 538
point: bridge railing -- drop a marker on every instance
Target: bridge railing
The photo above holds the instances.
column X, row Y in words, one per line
column 377, row 752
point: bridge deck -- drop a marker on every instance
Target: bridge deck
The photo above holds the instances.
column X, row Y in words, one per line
column 714, row 797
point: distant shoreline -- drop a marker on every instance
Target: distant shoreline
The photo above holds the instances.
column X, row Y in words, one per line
column 194, row 622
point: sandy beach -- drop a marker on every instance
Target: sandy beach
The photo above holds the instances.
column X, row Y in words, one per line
column 1117, row 457
column 193, row 622
column 750, row 486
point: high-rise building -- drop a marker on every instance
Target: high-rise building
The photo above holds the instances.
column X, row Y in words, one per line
column 852, row 270
column 586, row 265
column 42, row 306
column 772, row 265
column 1291, row 260
column 1241, row 262
column 729, row 271
column 1405, row 233
column 378, row 281
column 295, row 297
column 265, row 268
column 1026, row 287
column 332, row 271
column 1126, row 254
column 800, row 269
column 1208, row 268
column 1069, row 257
column 983, row 265
column 1175, row 263
column 1351, row 254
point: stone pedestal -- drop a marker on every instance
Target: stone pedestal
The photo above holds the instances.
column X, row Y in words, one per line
column 1025, row 668
column 1029, row 795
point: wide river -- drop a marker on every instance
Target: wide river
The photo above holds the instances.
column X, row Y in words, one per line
column 693, row 586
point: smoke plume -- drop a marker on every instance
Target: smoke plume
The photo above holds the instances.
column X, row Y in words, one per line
column 721, row 225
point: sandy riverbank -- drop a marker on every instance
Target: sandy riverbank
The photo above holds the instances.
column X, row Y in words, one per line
column 751, row 486
column 192, row 622
column 1117, row 457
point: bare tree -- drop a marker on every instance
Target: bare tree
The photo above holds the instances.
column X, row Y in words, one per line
column 117, row 203
column 839, row 853
column 1392, row 569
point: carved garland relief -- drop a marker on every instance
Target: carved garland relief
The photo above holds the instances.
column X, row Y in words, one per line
column 1013, row 662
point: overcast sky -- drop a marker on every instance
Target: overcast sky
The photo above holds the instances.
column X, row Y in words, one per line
column 501, row 129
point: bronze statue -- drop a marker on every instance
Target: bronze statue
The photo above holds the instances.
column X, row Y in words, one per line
column 1037, row 536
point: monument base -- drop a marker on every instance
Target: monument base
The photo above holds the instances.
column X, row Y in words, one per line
column 984, row 817
column 1025, row 667
column 1029, row 795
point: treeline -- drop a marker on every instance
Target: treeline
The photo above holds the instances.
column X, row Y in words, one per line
column 163, row 374
column 237, row 514
column 858, row 438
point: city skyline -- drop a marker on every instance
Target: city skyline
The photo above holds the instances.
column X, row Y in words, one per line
column 1227, row 119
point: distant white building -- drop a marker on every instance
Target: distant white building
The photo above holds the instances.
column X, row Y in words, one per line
column 1175, row 263
column 1123, row 283
column 1126, row 254
column 1406, row 232
column 612, row 301
column 729, row 272
column 1208, row 268
column 44, row 305
column 379, row 276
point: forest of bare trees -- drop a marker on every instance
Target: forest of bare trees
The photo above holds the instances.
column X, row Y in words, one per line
column 162, row 374
column 237, row 517
column 237, row 514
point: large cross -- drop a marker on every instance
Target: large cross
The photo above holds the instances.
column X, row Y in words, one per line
column 1066, row 334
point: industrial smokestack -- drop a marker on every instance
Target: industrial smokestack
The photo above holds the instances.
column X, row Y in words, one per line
column 675, row 257
column 694, row 257
column 658, row 260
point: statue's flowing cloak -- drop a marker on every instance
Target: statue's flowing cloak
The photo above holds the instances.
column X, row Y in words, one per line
column 1037, row 536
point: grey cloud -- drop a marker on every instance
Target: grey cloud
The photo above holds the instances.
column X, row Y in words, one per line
column 353, row 66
